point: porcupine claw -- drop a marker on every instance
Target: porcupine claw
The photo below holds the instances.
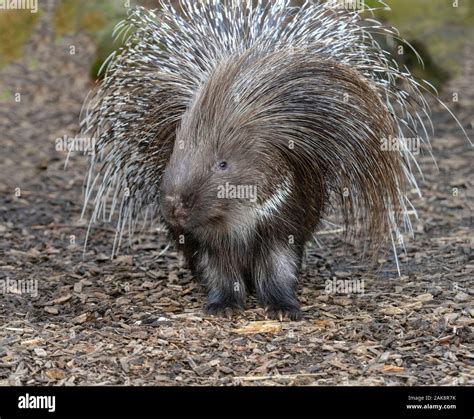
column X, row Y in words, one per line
column 283, row 313
column 222, row 310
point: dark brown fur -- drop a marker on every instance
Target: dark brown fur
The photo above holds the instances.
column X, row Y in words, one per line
column 273, row 119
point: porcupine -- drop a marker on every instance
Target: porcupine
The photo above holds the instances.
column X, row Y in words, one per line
column 293, row 103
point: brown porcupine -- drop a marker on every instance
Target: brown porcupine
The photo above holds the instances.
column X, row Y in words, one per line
column 239, row 124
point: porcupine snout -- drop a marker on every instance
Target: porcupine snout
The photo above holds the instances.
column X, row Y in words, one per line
column 176, row 210
column 176, row 195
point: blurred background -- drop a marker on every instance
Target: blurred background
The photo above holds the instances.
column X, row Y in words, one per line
column 439, row 29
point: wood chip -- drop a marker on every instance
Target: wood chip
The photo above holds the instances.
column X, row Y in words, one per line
column 343, row 301
column 40, row 352
column 124, row 260
column 124, row 362
column 341, row 274
column 324, row 324
column 392, row 311
column 81, row 318
column 392, row 368
column 55, row 374
column 424, row 297
column 32, row 342
column 338, row 364
column 461, row 297
column 260, row 327
column 51, row 310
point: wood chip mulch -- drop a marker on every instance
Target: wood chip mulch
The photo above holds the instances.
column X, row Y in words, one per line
column 137, row 319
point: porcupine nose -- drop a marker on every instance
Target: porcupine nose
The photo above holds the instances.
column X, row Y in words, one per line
column 176, row 210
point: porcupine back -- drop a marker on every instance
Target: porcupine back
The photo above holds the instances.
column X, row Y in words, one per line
column 168, row 56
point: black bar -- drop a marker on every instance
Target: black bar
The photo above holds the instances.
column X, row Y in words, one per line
column 381, row 402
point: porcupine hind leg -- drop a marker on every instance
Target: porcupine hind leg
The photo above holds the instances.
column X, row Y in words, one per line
column 225, row 285
column 275, row 275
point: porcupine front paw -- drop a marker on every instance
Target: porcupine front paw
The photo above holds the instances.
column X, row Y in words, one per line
column 281, row 312
column 222, row 309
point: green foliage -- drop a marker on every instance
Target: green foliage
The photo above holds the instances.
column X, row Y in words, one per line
column 15, row 29
column 436, row 28
column 106, row 45
column 65, row 18
column 33, row 64
column 87, row 16
column 5, row 95
column 97, row 19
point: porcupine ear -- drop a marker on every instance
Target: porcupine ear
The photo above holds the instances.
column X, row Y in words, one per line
column 132, row 117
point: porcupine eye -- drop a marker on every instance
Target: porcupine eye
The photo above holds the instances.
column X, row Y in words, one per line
column 223, row 165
